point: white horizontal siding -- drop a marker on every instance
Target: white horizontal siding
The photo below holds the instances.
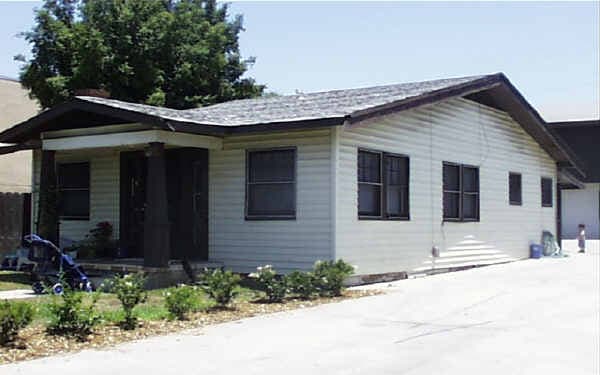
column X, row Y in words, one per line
column 104, row 191
column 287, row 244
column 458, row 131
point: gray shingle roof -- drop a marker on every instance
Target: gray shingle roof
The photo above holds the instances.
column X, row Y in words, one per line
column 299, row 107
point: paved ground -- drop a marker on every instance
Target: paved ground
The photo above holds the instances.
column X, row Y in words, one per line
column 528, row 317
column 17, row 294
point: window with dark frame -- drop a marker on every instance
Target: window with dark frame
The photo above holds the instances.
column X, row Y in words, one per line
column 461, row 192
column 271, row 184
column 515, row 189
column 546, row 186
column 74, row 191
column 383, row 185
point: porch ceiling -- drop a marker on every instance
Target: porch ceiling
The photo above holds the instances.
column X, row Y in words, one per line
column 135, row 138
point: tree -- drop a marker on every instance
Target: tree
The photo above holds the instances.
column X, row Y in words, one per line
column 175, row 53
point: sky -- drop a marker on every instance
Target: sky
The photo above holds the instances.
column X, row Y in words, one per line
column 549, row 51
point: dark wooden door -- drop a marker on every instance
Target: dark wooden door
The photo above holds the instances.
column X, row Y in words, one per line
column 187, row 187
column 133, row 202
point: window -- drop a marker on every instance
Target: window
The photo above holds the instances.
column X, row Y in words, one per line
column 382, row 185
column 515, row 189
column 461, row 192
column 74, row 191
column 546, row 192
column 271, row 184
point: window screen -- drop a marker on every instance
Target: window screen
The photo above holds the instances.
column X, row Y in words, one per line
column 383, row 182
column 74, row 190
column 546, row 192
column 461, row 192
column 369, row 184
column 271, row 184
column 515, row 189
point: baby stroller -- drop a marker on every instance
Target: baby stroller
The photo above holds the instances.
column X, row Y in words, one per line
column 54, row 267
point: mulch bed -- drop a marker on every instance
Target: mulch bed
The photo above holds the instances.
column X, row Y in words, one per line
column 33, row 342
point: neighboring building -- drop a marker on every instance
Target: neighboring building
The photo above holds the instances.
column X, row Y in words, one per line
column 15, row 106
column 581, row 196
column 15, row 167
column 377, row 176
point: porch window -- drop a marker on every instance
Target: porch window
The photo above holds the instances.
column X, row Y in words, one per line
column 382, row 185
column 74, row 191
column 515, row 189
column 461, row 192
column 271, row 184
column 546, row 192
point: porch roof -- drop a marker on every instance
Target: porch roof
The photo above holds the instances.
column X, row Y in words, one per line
column 298, row 111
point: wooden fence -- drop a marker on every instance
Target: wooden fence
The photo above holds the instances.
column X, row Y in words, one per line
column 15, row 216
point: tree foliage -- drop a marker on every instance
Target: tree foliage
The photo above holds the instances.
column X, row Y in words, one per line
column 174, row 53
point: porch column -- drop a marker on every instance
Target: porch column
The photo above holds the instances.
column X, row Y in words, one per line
column 157, row 250
column 47, row 215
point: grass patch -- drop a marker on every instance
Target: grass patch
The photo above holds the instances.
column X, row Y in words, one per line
column 11, row 280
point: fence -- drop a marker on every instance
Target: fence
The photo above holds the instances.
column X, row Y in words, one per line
column 15, row 216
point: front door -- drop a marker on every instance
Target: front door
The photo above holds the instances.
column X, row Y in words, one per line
column 133, row 203
column 187, row 187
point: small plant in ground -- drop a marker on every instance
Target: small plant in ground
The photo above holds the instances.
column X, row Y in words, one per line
column 221, row 286
column 274, row 286
column 70, row 316
column 302, row 284
column 181, row 300
column 330, row 276
column 13, row 317
column 130, row 292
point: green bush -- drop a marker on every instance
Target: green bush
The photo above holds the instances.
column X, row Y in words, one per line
column 130, row 292
column 330, row 276
column 70, row 316
column 221, row 286
column 13, row 317
column 181, row 300
column 302, row 284
column 272, row 285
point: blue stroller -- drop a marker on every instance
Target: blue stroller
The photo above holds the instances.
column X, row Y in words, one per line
column 52, row 263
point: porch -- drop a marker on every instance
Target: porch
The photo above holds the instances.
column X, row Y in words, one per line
column 151, row 185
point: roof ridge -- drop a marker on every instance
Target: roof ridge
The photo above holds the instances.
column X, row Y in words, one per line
column 315, row 93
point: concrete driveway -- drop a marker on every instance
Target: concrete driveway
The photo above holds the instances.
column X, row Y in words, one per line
column 529, row 317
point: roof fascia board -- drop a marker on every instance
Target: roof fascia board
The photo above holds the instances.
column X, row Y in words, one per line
column 573, row 124
column 285, row 126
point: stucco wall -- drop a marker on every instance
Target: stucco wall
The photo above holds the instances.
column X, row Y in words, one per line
column 581, row 206
column 15, row 106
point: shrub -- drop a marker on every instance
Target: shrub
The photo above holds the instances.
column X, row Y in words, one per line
column 220, row 285
column 302, row 284
column 181, row 300
column 13, row 317
column 130, row 291
column 273, row 285
column 330, row 276
column 70, row 316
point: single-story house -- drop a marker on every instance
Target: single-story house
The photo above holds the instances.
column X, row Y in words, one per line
column 383, row 177
column 580, row 199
